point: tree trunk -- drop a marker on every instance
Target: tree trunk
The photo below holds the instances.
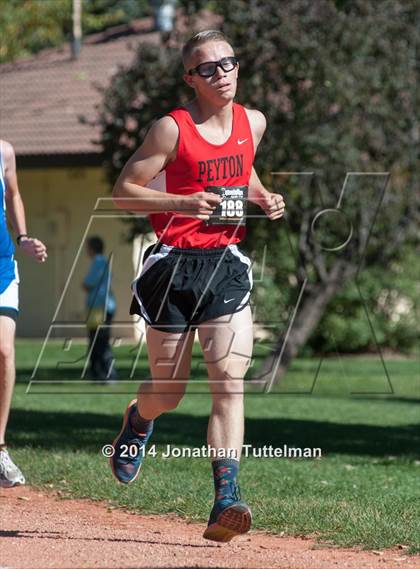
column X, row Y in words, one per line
column 304, row 320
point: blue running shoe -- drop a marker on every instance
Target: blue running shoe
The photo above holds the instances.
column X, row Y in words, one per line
column 229, row 517
column 130, row 449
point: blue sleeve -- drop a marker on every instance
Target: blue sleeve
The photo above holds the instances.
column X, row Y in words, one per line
column 94, row 275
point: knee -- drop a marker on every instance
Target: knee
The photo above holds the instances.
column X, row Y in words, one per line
column 7, row 352
column 227, row 391
column 231, row 372
column 230, row 377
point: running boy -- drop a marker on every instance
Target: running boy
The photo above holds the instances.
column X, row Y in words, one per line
column 194, row 174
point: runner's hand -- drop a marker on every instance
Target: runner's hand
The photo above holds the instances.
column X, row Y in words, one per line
column 34, row 248
column 273, row 205
column 199, row 205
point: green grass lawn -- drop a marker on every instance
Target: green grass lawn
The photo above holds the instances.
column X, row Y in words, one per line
column 364, row 490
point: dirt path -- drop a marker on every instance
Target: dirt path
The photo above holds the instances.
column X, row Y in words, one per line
column 40, row 531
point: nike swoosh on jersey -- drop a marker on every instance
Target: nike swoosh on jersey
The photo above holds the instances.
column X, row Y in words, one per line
column 242, row 141
column 230, row 300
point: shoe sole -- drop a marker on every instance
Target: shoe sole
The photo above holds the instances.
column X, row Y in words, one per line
column 7, row 484
column 125, row 419
column 233, row 521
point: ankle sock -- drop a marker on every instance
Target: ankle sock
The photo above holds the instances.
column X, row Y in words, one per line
column 140, row 425
column 225, row 474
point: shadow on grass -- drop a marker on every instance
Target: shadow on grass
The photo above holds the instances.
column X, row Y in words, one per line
column 64, row 430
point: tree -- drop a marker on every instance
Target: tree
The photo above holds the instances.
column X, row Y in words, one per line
column 27, row 26
column 336, row 83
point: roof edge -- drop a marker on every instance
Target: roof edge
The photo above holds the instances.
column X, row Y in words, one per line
column 73, row 160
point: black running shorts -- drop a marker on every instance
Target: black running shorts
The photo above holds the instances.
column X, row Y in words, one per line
column 177, row 289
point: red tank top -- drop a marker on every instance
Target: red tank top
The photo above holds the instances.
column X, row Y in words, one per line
column 200, row 164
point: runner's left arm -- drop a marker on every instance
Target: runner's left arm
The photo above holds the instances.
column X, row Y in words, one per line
column 271, row 203
column 15, row 208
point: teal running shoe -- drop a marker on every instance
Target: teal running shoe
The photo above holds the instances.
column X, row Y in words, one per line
column 229, row 517
column 129, row 449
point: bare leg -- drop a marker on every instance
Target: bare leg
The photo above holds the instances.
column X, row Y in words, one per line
column 170, row 360
column 170, row 364
column 10, row 474
column 227, row 347
column 7, row 370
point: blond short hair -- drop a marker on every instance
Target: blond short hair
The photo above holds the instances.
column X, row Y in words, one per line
column 201, row 38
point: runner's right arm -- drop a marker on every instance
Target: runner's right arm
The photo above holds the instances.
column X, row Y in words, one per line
column 158, row 149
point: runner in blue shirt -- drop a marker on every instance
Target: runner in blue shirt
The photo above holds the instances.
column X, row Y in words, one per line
column 101, row 307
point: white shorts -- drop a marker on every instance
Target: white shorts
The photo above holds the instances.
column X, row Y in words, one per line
column 9, row 299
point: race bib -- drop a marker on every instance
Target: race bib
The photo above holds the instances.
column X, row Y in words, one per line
column 232, row 209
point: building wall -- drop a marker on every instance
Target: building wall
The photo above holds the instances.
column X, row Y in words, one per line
column 59, row 204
